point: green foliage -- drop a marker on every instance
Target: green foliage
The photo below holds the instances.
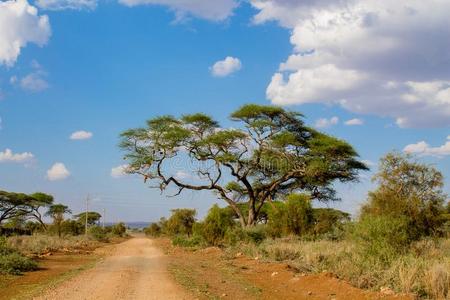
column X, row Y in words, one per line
column 180, row 222
column 381, row 237
column 71, row 227
column 215, row 225
column 153, row 230
column 12, row 261
column 189, row 242
column 294, row 216
column 57, row 212
column 329, row 223
column 272, row 153
column 119, row 229
column 407, row 188
column 98, row 233
column 93, row 218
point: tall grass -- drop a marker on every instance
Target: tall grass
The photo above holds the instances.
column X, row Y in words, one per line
column 424, row 269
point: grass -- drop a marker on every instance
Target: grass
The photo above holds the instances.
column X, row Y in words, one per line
column 12, row 261
column 423, row 270
column 40, row 244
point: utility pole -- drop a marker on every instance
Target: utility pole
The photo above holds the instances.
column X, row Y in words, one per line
column 104, row 217
column 86, row 213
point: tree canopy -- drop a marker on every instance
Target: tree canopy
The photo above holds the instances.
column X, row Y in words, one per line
column 408, row 189
column 92, row 217
column 271, row 152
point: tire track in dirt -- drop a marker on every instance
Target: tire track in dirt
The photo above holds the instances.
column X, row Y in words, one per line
column 135, row 269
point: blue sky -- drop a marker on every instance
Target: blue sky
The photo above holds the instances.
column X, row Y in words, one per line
column 103, row 67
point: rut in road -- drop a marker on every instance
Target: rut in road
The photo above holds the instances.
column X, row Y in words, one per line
column 134, row 270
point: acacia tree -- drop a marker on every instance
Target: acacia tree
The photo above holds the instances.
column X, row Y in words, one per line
column 36, row 203
column 13, row 205
column 272, row 153
column 93, row 218
column 57, row 212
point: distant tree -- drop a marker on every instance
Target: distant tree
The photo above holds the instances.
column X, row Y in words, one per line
column 93, row 218
column 272, row 153
column 13, row 205
column 38, row 201
column 408, row 188
column 57, row 212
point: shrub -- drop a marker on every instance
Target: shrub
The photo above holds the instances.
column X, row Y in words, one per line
column 328, row 222
column 381, row 237
column 255, row 234
column 153, row 230
column 98, row 233
column 216, row 224
column 119, row 229
column 180, row 222
column 70, row 227
column 12, row 261
column 190, row 242
column 294, row 216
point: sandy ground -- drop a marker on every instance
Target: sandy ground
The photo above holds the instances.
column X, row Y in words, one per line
column 135, row 269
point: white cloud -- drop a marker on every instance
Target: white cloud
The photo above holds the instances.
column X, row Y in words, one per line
column 380, row 57
column 217, row 10
column 20, row 24
column 423, row 148
column 81, row 135
column 354, row 122
column 34, row 82
column 325, row 123
column 225, row 67
column 58, row 172
column 9, row 156
column 67, row 4
column 119, row 171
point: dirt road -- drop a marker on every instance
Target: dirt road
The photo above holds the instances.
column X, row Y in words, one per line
column 135, row 269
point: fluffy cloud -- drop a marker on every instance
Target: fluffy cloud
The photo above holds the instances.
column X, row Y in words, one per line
column 182, row 175
column 381, row 57
column 119, row 171
column 9, row 156
column 354, row 122
column 217, row 10
column 67, row 4
column 81, row 135
column 58, row 172
column 20, row 24
column 225, row 67
column 325, row 123
column 423, row 148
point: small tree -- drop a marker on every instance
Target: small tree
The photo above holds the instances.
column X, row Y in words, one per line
column 408, row 188
column 216, row 224
column 272, row 153
column 57, row 212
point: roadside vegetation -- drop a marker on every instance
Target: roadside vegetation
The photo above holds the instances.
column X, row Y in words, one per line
column 25, row 235
column 400, row 241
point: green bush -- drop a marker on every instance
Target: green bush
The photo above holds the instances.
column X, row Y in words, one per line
column 215, row 225
column 255, row 234
column 294, row 216
column 153, row 230
column 180, row 222
column 119, row 229
column 98, row 233
column 381, row 237
column 69, row 227
column 12, row 261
